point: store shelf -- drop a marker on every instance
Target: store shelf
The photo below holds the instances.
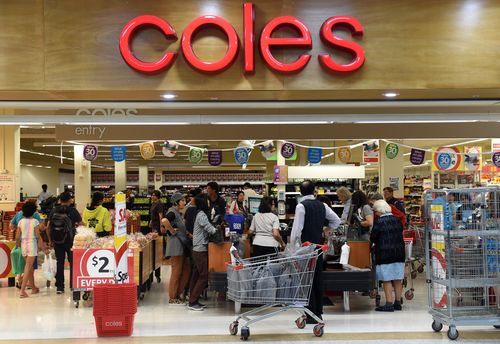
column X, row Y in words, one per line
column 198, row 183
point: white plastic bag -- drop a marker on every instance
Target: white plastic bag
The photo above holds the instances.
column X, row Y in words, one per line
column 49, row 267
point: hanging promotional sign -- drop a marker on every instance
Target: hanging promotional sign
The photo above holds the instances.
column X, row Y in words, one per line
column 446, row 159
column 496, row 159
column 147, row 150
column 195, row 155
column 391, row 150
column 169, row 148
column 90, row 152
column 495, row 145
column 215, row 158
column 287, row 150
column 417, row 156
column 121, row 246
column 267, row 149
column 314, row 155
column 118, row 153
column 371, row 152
column 241, row 155
column 5, row 261
column 344, row 154
column 473, row 158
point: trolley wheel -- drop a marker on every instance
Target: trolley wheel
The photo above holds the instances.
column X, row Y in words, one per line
column 413, row 274
column 300, row 322
column 453, row 333
column 420, row 268
column 158, row 279
column 377, row 300
column 373, row 294
column 245, row 333
column 86, row 296
column 77, row 304
column 318, row 330
column 233, row 328
column 47, row 284
column 436, row 326
column 497, row 327
column 409, row 295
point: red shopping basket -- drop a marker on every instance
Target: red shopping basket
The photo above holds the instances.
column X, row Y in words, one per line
column 115, row 306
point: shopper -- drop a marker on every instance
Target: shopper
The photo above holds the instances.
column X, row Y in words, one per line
column 310, row 217
column 96, row 217
column 29, row 239
column 216, row 204
column 249, row 192
column 202, row 229
column 190, row 213
column 44, row 195
column 265, row 225
column 453, row 205
column 395, row 211
column 238, row 205
column 362, row 215
column 155, row 213
column 388, row 242
column 344, row 196
column 178, row 247
column 390, row 199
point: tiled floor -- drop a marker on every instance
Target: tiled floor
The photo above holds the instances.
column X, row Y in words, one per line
column 53, row 318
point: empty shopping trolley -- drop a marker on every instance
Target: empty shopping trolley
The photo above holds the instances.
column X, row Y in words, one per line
column 281, row 280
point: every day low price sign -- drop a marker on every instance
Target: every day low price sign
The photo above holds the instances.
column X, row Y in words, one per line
column 118, row 153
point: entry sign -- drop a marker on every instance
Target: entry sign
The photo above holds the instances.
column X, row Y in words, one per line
column 496, row 159
column 118, row 153
column 215, row 158
column 417, row 156
column 241, row 155
column 287, row 150
column 314, row 155
column 90, row 152
column 121, row 246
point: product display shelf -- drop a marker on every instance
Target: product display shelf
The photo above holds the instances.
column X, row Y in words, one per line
column 413, row 193
column 142, row 206
column 370, row 185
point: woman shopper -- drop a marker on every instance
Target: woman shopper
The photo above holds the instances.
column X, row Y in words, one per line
column 97, row 217
column 177, row 249
column 388, row 242
column 201, row 232
column 344, row 196
column 238, row 205
column 29, row 239
column 265, row 225
column 362, row 215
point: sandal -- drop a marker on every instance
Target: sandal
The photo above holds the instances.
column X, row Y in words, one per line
column 23, row 295
column 35, row 290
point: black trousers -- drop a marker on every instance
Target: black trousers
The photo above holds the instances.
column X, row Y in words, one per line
column 316, row 299
column 258, row 251
column 63, row 251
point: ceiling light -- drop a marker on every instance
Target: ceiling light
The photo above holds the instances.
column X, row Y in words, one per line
column 390, row 94
column 423, row 121
column 169, row 96
column 126, row 123
column 271, row 122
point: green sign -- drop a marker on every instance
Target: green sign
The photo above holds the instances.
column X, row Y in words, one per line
column 391, row 150
column 274, row 156
column 195, row 155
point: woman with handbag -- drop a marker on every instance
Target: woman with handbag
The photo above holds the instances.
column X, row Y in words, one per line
column 178, row 248
column 362, row 215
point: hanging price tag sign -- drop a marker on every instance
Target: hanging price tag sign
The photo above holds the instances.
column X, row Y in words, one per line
column 344, row 154
column 170, row 148
column 147, row 150
column 215, row 158
column 314, row 155
column 496, row 159
column 90, row 152
column 446, row 159
column 417, row 156
column 241, row 155
column 391, row 150
column 118, row 153
column 287, row 150
column 267, row 149
column 195, row 155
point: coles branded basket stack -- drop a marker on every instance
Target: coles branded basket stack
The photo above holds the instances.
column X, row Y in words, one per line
column 115, row 306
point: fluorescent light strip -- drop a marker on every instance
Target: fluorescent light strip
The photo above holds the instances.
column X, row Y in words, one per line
column 126, row 123
column 271, row 122
column 416, row 121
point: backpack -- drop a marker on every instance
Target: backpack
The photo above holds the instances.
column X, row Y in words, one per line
column 61, row 227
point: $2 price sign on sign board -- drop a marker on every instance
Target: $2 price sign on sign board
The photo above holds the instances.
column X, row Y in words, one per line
column 97, row 266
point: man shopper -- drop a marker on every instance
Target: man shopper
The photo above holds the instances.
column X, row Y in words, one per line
column 216, row 204
column 62, row 223
column 310, row 216
column 44, row 195
column 156, row 212
column 390, row 199
column 249, row 192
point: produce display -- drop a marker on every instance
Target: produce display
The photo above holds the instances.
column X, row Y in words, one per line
column 86, row 238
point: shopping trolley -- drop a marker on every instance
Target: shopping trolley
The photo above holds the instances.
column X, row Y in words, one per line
column 416, row 233
column 283, row 280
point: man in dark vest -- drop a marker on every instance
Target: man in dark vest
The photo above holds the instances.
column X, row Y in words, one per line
column 310, row 217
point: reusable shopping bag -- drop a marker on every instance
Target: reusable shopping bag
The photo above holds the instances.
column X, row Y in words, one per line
column 49, row 267
column 16, row 257
column 266, row 286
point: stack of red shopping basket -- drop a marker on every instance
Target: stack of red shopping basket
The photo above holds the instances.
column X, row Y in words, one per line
column 115, row 306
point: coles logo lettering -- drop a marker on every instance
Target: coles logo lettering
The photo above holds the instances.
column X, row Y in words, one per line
column 266, row 42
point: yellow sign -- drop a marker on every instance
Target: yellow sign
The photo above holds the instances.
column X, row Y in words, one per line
column 447, row 159
column 344, row 154
column 147, row 150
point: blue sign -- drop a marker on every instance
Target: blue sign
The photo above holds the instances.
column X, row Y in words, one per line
column 314, row 155
column 118, row 153
column 241, row 155
column 444, row 161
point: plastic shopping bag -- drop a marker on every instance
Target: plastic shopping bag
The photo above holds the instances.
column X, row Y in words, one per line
column 16, row 257
column 49, row 267
column 266, row 286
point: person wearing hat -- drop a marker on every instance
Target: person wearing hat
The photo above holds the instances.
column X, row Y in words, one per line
column 178, row 248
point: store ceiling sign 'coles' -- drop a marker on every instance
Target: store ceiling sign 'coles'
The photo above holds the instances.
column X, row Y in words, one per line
column 266, row 42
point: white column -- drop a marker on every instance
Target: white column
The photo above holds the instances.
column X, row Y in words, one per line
column 158, row 175
column 83, row 181
column 143, row 178
column 120, row 176
column 391, row 168
column 10, row 160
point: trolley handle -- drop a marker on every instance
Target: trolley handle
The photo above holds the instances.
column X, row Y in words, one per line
column 324, row 247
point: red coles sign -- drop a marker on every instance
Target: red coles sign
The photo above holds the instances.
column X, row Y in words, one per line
column 266, row 43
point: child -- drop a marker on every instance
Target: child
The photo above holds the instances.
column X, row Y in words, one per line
column 28, row 238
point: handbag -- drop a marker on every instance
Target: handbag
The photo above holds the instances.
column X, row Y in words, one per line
column 16, row 257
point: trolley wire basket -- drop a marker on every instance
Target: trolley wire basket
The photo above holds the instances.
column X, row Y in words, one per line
column 283, row 279
column 463, row 257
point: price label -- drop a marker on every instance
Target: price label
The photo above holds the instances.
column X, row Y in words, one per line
column 90, row 152
column 101, row 263
column 241, row 155
column 147, row 150
column 447, row 159
column 287, row 150
column 344, row 155
column 391, row 150
column 195, row 155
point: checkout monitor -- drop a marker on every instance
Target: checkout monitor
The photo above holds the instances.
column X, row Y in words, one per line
column 253, row 204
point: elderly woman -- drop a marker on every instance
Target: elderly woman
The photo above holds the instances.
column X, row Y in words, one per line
column 387, row 239
column 344, row 196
